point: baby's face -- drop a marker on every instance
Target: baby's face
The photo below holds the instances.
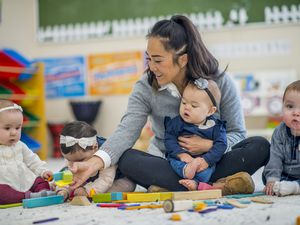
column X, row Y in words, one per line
column 79, row 155
column 291, row 111
column 10, row 127
column 195, row 105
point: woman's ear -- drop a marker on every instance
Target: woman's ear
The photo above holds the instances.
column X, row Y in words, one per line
column 183, row 60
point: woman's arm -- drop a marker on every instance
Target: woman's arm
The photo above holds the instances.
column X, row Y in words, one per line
column 128, row 131
column 231, row 111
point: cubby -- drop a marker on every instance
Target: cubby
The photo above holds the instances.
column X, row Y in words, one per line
column 23, row 83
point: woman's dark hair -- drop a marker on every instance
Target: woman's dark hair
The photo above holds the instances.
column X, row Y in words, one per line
column 181, row 35
column 77, row 129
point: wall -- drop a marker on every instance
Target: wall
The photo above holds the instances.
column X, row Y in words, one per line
column 18, row 27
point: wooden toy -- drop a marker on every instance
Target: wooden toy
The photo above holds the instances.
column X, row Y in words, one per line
column 66, row 176
column 176, row 206
column 261, row 200
column 92, row 192
column 151, row 206
column 80, row 200
column 145, row 197
column 165, row 195
column 175, row 217
column 43, row 201
column 45, row 220
column 10, row 205
column 197, row 195
column 115, row 196
column 101, row 197
column 58, row 176
column 245, row 195
column 298, row 220
column 235, row 203
column 110, row 205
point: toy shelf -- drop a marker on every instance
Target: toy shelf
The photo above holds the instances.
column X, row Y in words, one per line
column 28, row 91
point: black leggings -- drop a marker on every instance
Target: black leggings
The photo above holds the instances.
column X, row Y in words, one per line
column 145, row 169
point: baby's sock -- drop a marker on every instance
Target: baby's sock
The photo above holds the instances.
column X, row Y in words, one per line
column 43, row 193
column 204, row 186
column 283, row 188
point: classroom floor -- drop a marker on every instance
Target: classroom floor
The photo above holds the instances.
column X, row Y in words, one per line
column 283, row 211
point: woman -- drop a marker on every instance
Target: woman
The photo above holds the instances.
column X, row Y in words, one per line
column 176, row 55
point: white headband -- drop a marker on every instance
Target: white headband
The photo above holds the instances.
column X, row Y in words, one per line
column 14, row 106
column 82, row 142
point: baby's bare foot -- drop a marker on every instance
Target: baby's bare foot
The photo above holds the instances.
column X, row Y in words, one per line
column 190, row 169
column 191, row 185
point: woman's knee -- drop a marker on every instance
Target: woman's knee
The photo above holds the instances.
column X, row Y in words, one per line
column 124, row 159
column 261, row 144
column 128, row 160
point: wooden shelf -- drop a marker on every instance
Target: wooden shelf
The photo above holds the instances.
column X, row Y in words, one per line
column 33, row 102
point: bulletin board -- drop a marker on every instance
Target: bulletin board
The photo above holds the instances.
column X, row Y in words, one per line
column 58, row 12
column 114, row 73
column 261, row 91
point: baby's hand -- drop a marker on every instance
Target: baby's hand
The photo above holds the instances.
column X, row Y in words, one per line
column 269, row 188
column 64, row 192
column 48, row 175
column 80, row 192
column 184, row 157
column 202, row 164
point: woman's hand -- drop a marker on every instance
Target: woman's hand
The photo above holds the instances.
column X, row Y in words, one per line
column 83, row 170
column 195, row 144
column 269, row 188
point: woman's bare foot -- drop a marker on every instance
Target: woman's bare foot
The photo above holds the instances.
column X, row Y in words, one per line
column 190, row 169
column 191, row 185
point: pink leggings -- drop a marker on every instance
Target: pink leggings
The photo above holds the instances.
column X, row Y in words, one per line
column 9, row 195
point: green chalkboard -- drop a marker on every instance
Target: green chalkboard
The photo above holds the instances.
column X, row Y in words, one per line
column 57, row 12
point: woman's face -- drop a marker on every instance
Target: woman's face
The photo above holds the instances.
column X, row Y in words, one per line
column 161, row 63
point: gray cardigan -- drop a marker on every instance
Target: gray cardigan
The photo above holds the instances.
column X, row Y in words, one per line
column 284, row 155
column 144, row 101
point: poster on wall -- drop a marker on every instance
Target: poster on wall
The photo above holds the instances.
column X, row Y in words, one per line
column 65, row 77
column 114, row 73
column 261, row 92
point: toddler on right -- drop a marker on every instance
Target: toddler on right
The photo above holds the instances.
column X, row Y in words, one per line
column 282, row 173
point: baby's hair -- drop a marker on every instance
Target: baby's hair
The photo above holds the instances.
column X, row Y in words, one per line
column 77, row 129
column 213, row 88
column 295, row 86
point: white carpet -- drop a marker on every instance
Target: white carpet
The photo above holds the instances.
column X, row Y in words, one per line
column 284, row 211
